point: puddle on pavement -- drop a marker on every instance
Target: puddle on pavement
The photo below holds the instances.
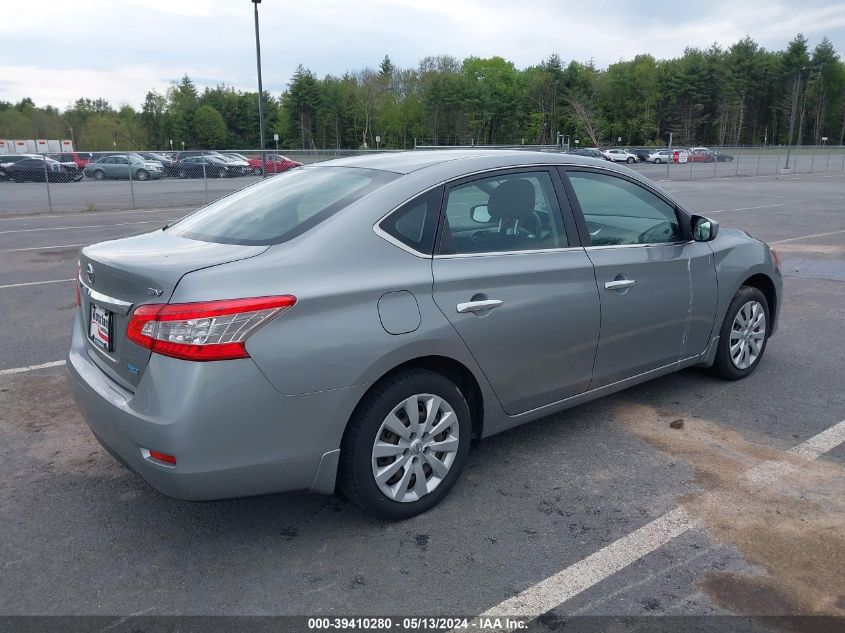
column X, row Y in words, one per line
column 793, row 526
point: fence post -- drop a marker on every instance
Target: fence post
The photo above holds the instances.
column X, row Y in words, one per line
column 47, row 183
column 691, row 162
column 715, row 164
column 843, row 162
column 795, row 164
column 759, row 155
column 131, row 184
column 738, row 158
column 205, row 176
column 827, row 163
column 777, row 167
column 813, row 159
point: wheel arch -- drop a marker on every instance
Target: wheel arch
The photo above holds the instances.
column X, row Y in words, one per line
column 450, row 368
column 764, row 284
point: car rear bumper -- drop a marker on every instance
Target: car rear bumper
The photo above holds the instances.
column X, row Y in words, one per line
column 232, row 433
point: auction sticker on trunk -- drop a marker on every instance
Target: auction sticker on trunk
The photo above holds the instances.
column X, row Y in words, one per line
column 100, row 330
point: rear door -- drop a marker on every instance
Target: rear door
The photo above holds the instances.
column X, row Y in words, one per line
column 513, row 279
column 645, row 269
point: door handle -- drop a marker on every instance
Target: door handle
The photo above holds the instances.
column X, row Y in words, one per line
column 478, row 306
column 619, row 284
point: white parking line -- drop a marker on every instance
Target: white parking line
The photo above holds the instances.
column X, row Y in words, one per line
column 36, row 283
column 807, row 237
column 20, row 370
column 95, row 214
column 762, row 206
column 41, row 248
column 84, row 226
column 557, row 589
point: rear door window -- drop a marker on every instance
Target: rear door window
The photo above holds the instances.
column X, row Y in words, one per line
column 282, row 207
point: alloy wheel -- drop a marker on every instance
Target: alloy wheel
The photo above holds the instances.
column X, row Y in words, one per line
column 415, row 447
column 748, row 333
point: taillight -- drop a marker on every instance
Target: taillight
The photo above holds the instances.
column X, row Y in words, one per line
column 211, row 330
column 78, row 289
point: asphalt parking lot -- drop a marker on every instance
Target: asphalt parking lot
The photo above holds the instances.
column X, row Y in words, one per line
column 724, row 516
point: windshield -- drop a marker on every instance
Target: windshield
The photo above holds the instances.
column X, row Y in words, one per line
column 282, row 207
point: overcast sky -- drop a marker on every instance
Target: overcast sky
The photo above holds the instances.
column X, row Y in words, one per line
column 57, row 50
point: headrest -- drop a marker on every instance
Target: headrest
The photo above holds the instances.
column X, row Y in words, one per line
column 512, row 199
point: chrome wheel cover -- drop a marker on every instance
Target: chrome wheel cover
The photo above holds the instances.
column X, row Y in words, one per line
column 748, row 333
column 415, row 447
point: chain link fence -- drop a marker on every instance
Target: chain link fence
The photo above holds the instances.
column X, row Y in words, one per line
column 99, row 181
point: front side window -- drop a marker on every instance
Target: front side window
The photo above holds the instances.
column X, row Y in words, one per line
column 508, row 212
column 281, row 207
column 620, row 212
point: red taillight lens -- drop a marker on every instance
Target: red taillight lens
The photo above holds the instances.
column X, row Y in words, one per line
column 163, row 457
column 78, row 289
column 211, row 330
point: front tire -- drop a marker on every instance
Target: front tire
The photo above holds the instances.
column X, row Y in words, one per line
column 99, row 175
column 142, row 174
column 744, row 335
column 256, row 171
column 406, row 445
column 630, row 160
column 657, row 161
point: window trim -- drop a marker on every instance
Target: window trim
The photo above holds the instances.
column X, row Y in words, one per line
column 680, row 213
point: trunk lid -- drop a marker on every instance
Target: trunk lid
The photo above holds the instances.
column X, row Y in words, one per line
column 120, row 275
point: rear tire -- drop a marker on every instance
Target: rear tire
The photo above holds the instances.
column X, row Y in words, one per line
column 657, row 161
column 256, row 171
column 221, row 173
column 743, row 336
column 368, row 432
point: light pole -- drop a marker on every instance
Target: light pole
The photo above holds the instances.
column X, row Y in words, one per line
column 260, row 91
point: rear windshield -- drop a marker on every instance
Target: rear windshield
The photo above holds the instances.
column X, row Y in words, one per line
column 281, row 207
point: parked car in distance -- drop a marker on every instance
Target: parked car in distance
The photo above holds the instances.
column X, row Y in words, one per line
column 195, row 152
column 721, row 157
column 620, row 155
column 156, row 157
column 246, row 159
column 592, row 153
column 33, row 169
column 642, row 153
column 659, row 156
column 80, row 159
column 700, row 155
column 123, row 166
column 207, row 166
column 10, row 159
column 276, row 164
column 335, row 325
column 238, row 162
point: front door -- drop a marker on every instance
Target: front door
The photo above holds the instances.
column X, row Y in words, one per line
column 512, row 278
column 642, row 261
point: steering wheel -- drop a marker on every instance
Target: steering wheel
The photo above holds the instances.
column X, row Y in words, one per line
column 657, row 233
column 525, row 232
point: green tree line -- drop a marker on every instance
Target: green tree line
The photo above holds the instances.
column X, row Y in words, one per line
column 742, row 94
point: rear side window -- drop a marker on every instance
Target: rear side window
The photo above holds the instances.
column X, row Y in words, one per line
column 281, row 207
column 415, row 223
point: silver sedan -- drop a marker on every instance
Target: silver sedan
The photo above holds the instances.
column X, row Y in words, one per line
column 359, row 323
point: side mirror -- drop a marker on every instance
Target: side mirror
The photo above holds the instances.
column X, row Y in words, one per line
column 704, row 229
column 480, row 214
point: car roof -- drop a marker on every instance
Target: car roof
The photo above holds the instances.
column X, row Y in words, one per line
column 463, row 160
